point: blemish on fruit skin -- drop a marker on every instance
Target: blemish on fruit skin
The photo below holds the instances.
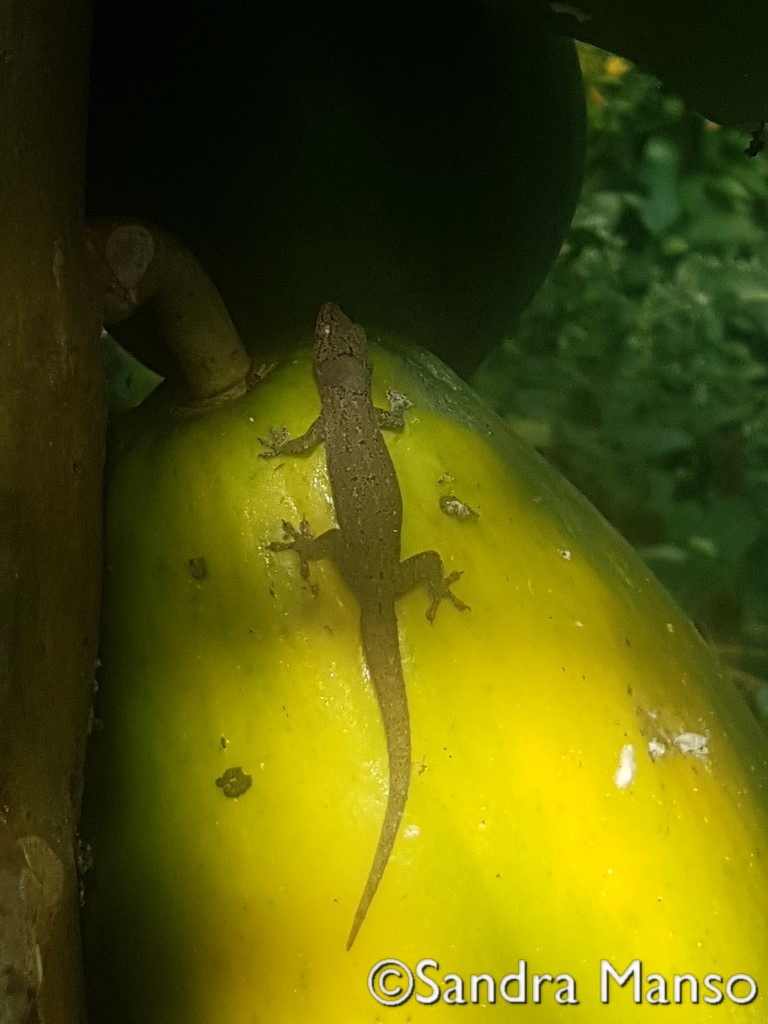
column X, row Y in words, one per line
column 656, row 748
column 625, row 773
column 197, row 568
column 667, row 735
column 234, row 782
column 453, row 506
column 693, row 743
column 689, row 744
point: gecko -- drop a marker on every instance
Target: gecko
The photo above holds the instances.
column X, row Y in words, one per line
column 365, row 544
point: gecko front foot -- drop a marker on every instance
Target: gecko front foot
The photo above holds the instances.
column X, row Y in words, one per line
column 301, row 541
column 438, row 591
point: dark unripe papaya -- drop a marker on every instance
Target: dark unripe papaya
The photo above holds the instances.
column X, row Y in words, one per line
column 712, row 54
column 418, row 163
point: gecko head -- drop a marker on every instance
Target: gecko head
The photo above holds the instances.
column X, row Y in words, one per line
column 341, row 351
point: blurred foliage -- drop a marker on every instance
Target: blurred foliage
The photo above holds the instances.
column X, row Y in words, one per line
column 639, row 368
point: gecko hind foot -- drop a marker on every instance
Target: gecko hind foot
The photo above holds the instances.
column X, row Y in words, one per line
column 273, row 445
column 443, row 590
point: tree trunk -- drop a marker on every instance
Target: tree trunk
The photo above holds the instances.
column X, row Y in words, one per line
column 51, row 453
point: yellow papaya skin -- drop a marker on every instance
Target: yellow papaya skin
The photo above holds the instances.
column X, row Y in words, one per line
column 587, row 786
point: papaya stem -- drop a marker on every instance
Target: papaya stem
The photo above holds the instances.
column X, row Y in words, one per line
column 162, row 306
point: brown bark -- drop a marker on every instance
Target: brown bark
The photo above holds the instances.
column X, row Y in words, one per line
column 51, row 451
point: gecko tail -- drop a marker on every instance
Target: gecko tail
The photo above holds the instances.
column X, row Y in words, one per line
column 399, row 780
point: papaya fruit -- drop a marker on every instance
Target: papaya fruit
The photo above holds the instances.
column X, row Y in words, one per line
column 588, row 815
column 420, row 163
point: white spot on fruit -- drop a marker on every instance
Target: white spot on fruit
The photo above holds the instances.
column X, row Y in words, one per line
column 656, row 748
column 625, row 773
column 692, row 743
